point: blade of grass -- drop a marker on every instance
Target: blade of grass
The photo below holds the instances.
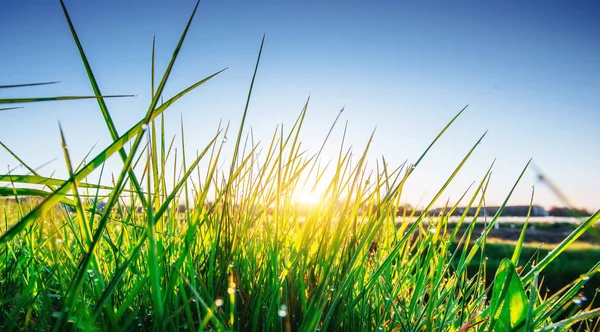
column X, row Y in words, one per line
column 26, row 85
column 35, row 100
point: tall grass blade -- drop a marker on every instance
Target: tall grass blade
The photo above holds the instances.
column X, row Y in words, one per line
column 34, row 100
column 26, row 85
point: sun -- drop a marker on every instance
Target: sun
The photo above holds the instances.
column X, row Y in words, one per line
column 306, row 196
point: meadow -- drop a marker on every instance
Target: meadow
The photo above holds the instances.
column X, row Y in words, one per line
column 245, row 254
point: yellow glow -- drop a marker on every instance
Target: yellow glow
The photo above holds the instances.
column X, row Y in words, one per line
column 306, row 197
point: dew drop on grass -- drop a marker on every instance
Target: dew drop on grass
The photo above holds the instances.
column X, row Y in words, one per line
column 219, row 302
column 230, row 290
column 283, row 311
column 144, row 127
column 584, row 277
column 59, row 241
column 225, row 139
column 432, row 230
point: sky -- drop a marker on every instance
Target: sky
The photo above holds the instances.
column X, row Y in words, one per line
column 529, row 71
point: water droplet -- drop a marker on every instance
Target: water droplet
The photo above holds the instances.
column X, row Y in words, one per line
column 90, row 271
column 283, row 311
column 219, row 302
column 230, row 290
column 144, row 127
column 585, row 277
column 225, row 139
column 332, row 289
column 59, row 241
column 432, row 230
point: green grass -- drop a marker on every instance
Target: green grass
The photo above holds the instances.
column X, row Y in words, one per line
column 569, row 266
column 250, row 260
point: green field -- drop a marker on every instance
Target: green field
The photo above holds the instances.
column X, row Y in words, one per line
column 241, row 256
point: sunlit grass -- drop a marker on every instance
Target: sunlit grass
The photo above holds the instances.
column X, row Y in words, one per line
column 242, row 255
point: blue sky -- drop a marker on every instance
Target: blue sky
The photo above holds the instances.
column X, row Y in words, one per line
column 530, row 71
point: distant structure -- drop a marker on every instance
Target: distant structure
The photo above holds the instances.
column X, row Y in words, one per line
column 509, row 211
column 555, row 189
column 100, row 206
column 568, row 212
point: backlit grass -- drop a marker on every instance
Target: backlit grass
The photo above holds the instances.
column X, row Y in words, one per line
column 246, row 253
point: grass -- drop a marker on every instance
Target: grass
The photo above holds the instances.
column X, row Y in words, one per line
column 250, row 260
column 569, row 266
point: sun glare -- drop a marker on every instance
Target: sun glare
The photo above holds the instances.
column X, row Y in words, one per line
column 307, row 197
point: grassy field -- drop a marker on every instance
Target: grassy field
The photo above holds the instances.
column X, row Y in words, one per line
column 244, row 261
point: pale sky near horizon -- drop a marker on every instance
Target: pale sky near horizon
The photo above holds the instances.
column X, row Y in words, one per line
column 529, row 70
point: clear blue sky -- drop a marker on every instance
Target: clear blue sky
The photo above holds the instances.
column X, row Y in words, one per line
column 530, row 71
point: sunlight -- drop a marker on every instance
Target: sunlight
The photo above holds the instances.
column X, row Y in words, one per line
column 306, row 196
